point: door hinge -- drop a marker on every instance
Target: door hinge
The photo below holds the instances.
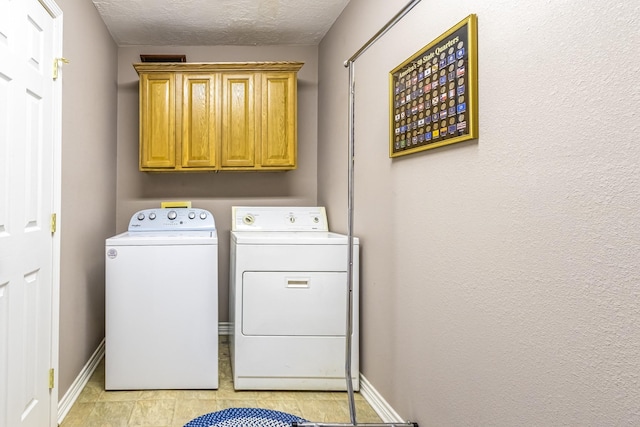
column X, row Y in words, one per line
column 56, row 66
column 54, row 223
column 51, row 378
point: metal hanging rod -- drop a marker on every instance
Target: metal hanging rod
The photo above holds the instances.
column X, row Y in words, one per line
column 350, row 63
column 393, row 21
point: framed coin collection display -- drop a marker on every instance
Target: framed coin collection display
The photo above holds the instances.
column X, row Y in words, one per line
column 433, row 94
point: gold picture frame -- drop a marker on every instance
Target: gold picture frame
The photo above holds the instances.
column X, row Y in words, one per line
column 433, row 95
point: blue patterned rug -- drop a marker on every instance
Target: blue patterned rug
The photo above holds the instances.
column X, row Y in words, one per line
column 245, row 417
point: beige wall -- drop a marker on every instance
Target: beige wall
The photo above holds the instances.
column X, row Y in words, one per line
column 217, row 192
column 88, row 182
column 500, row 276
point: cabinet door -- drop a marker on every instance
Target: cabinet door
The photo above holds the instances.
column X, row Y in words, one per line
column 157, row 121
column 238, row 120
column 199, row 129
column 279, row 113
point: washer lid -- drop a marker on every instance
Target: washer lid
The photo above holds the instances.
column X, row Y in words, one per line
column 289, row 238
column 163, row 238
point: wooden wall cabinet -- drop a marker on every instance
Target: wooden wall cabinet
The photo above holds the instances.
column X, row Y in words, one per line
column 157, row 142
column 198, row 134
column 218, row 116
column 239, row 124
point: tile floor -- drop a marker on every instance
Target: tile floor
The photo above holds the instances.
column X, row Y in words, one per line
column 96, row 407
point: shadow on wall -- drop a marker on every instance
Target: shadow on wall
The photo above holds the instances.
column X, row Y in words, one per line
column 229, row 185
column 305, row 85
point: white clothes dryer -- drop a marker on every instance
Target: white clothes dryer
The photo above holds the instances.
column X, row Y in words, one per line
column 162, row 302
column 288, row 300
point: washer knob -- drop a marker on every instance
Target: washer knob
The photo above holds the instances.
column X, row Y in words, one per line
column 140, row 216
column 192, row 215
column 203, row 215
column 172, row 215
column 152, row 216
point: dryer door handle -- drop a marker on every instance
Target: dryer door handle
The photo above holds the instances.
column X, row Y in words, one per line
column 298, row 283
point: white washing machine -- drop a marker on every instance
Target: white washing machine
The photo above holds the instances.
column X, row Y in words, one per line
column 162, row 302
column 289, row 300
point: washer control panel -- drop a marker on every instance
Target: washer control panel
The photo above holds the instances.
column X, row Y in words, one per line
column 274, row 218
column 172, row 219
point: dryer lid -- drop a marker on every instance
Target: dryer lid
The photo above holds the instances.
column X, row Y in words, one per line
column 289, row 238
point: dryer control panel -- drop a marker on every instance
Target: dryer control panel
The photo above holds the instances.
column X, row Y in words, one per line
column 275, row 218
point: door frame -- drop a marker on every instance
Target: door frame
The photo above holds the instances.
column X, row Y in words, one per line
column 56, row 13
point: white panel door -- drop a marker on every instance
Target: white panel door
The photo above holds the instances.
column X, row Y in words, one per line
column 26, row 205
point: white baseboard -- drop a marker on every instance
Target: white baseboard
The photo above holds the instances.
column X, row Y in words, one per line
column 70, row 397
column 386, row 413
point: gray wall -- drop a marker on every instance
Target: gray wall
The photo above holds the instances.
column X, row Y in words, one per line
column 88, row 182
column 500, row 276
column 217, row 192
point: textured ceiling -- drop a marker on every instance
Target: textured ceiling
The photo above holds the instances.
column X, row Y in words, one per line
column 218, row 22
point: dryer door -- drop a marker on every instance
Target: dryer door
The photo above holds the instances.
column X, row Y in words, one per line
column 294, row 303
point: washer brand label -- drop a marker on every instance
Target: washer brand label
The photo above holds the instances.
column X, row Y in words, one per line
column 112, row 253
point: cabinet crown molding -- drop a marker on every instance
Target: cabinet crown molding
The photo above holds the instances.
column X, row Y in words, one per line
column 217, row 66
